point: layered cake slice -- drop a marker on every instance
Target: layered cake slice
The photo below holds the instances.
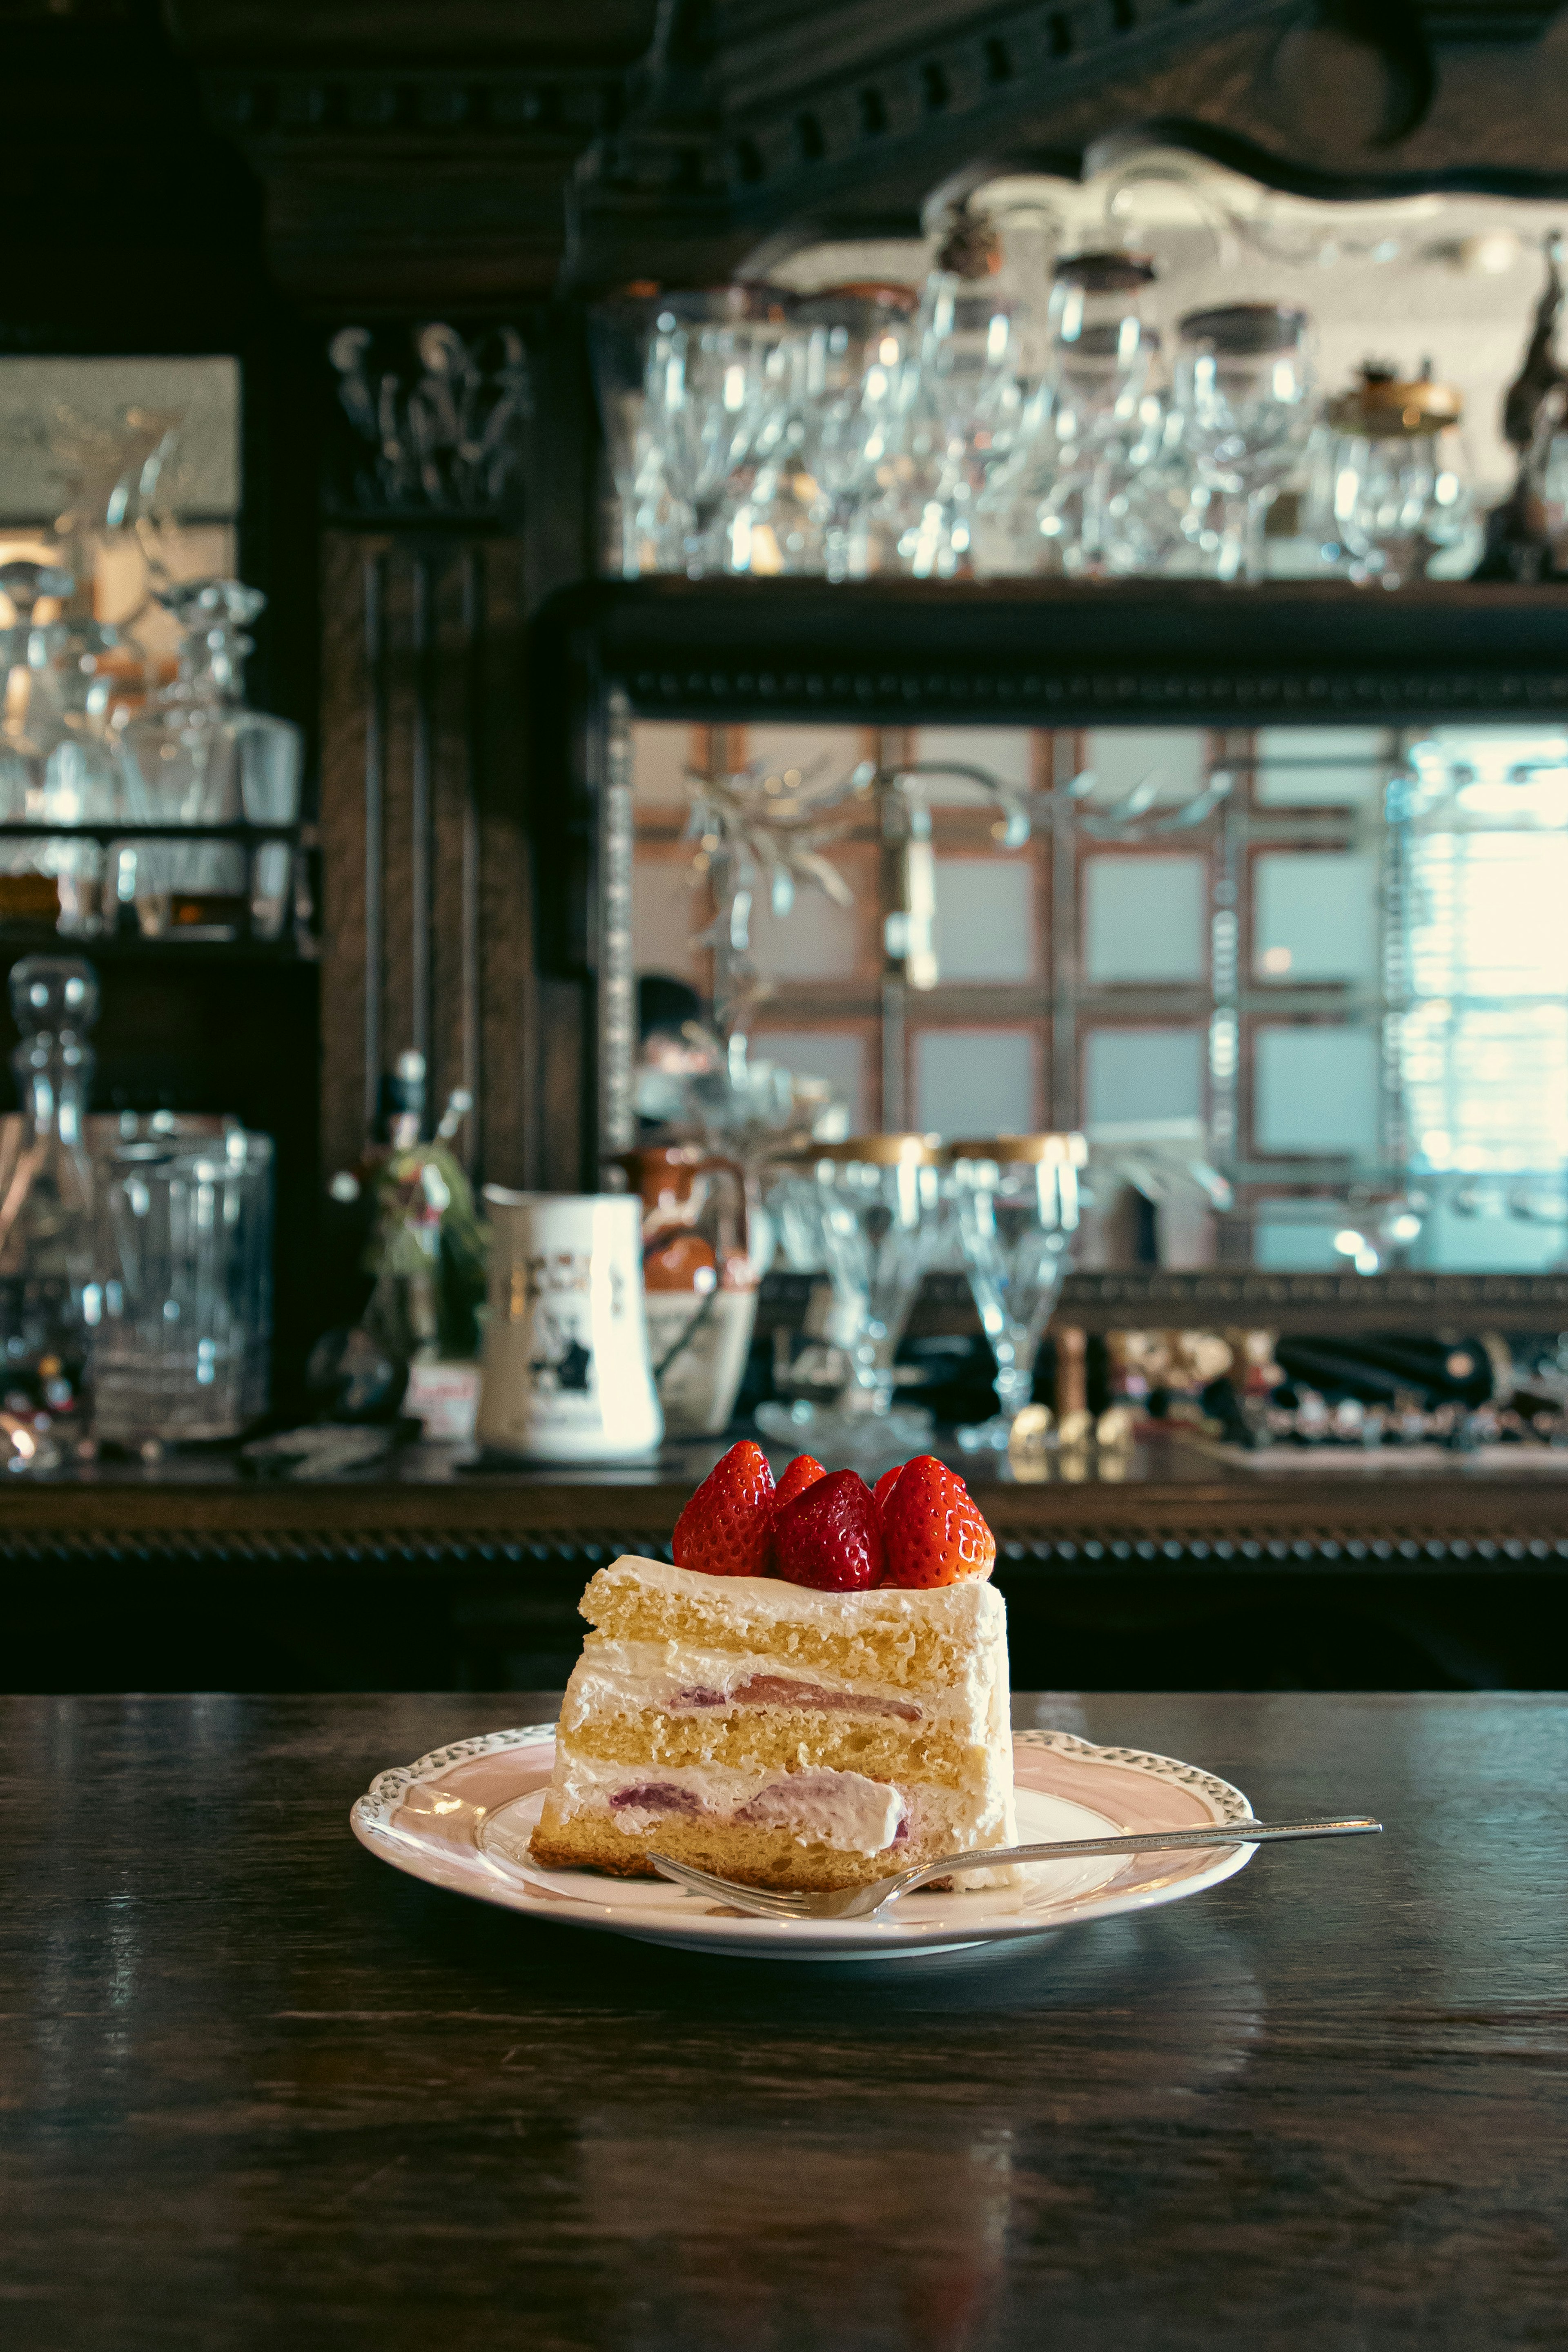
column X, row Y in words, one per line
column 782, row 1732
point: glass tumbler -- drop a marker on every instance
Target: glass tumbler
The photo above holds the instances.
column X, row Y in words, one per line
column 183, row 1351
column 1017, row 1198
column 871, row 1211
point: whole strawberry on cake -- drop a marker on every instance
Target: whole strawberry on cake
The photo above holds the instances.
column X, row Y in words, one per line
column 815, row 1694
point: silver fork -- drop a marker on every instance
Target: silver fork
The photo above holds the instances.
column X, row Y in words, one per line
column 870, row 1902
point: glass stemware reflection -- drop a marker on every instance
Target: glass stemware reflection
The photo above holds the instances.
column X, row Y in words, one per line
column 1244, row 388
column 1017, row 1198
column 706, row 387
column 868, row 1211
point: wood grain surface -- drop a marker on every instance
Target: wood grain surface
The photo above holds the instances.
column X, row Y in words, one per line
column 260, row 2091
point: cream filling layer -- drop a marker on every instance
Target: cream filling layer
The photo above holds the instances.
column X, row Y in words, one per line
column 675, row 1677
column 843, row 1810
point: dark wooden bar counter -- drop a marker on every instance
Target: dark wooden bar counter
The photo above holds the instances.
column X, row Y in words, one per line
column 262, row 2091
column 1174, row 1564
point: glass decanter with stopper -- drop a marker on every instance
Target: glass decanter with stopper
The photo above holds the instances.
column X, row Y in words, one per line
column 56, row 763
column 197, row 754
column 51, row 1300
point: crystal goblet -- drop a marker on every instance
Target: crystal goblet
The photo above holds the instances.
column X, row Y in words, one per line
column 871, row 1209
column 1245, row 393
column 707, row 391
column 1017, row 1198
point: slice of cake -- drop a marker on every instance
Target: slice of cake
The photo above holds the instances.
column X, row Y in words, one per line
column 781, row 1733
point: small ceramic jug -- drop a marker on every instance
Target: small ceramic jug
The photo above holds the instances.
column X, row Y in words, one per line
column 700, row 1283
column 566, row 1376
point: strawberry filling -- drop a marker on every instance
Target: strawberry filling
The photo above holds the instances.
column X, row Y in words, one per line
column 778, row 1690
column 657, row 1797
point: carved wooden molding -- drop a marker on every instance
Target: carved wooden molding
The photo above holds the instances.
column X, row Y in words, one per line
column 1048, row 653
column 1308, row 1303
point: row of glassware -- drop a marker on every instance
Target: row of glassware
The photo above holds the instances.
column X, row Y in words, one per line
column 965, row 431
column 135, row 1253
column 876, row 1213
column 89, row 740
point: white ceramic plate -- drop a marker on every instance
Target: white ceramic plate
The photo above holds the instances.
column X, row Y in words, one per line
column 461, row 1818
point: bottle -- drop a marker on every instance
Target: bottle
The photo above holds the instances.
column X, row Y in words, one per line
column 52, row 1300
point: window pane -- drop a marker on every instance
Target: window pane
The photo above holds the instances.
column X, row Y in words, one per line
column 1322, row 767
column 1487, row 1086
column 1123, row 758
column 818, row 940
column 1315, row 917
column 839, row 1055
column 986, row 918
column 1287, row 1248
column 975, row 1082
column 823, row 754
column 1143, row 918
column 1005, row 752
column 1317, row 1089
column 1132, row 1076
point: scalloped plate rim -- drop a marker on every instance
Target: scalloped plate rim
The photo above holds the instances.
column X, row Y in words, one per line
column 479, row 1875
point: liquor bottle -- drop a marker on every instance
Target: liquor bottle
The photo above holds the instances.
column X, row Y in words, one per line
column 51, row 1300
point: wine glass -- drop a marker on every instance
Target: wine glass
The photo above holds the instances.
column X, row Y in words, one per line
column 858, row 351
column 1084, row 424
column 962, row 414
column 870, row 1211
column 707, row 389
column 1244, row 388
column 1017, row 1198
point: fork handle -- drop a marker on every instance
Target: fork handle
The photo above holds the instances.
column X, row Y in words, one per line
column 1141, row 1841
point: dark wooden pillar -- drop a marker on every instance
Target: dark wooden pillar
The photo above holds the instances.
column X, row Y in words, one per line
column 427, row 897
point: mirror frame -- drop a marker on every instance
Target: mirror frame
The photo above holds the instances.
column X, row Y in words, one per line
column 1018, row 653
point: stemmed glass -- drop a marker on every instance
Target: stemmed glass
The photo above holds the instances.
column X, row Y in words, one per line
column 1017, row 1198
column 857, row 358
column 963, row 410
column 707, row 389
column 1244, row 388
column 870, row 1211
column 1087, row 423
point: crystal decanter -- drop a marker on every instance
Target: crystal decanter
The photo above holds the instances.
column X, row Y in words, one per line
column 56, row 766
column 50, row 1295
column 197, row 754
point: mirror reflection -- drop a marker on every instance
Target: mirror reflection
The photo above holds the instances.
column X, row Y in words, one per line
column 1304, row 990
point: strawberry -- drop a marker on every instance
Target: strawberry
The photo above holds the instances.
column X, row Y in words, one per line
column 830, row 1537
column 803, row 1472
column 726, row 1527
column 885, row 1485
column 934, row 1534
